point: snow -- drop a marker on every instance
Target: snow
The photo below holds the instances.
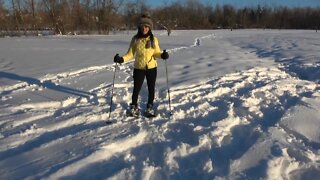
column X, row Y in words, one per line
column 245, row 105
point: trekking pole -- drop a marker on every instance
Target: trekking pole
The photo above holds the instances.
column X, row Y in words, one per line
column 114, row 76
column 168, row 88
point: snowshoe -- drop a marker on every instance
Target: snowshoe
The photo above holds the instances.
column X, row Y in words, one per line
column 133, row 111
column 150, row 112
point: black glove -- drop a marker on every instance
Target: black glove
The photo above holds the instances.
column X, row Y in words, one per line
column 164, row 55
column 118, row 59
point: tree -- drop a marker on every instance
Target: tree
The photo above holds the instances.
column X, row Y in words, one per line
column 229, row 16
column 131, row 14
column 3, row 15
column 52, row 11
column 79, row 16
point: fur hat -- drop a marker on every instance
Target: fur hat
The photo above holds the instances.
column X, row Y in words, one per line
column 145, row 19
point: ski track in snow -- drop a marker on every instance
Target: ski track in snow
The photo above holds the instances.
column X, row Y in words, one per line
column 217, row 127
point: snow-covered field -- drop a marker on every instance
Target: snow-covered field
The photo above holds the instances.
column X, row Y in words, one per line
column 245, row 106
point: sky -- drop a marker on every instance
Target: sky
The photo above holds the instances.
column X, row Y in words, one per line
column 243, row 3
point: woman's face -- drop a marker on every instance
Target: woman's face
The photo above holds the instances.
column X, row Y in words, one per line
column 145, row 29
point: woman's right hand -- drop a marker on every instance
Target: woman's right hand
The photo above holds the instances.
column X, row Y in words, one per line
column 118, row 59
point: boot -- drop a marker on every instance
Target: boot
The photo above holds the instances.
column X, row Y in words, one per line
column 149, row 111
column 133, row 111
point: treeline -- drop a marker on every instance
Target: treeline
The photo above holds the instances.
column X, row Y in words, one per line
column 105, row 16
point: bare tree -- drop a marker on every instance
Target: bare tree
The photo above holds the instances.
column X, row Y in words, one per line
column 51, row 7
column 167, row 17
column 3, row 18
column 130, row 16
column 69, row 16
column 30, row 14
column 107, row 16
column 16, row 14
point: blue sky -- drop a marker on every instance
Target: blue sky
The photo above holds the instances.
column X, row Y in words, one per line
column 242, row 3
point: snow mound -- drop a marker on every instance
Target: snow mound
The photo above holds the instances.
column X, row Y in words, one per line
column 217, row 127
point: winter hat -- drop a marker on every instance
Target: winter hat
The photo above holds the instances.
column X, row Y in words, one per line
column 145, row 19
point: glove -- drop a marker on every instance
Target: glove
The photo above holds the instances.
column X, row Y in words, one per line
column 118, row 59
column 164, row 55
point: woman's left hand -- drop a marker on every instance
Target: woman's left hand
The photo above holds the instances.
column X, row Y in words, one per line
column 164, row 55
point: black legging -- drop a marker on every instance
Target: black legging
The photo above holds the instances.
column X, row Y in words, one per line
column 138, row 78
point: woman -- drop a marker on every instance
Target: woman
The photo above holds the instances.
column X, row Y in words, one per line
column 144, row 48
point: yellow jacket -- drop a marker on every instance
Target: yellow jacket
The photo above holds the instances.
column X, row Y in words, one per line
column 145, row 56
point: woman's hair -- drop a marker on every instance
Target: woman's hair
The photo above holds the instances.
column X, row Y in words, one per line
column 141, row 35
